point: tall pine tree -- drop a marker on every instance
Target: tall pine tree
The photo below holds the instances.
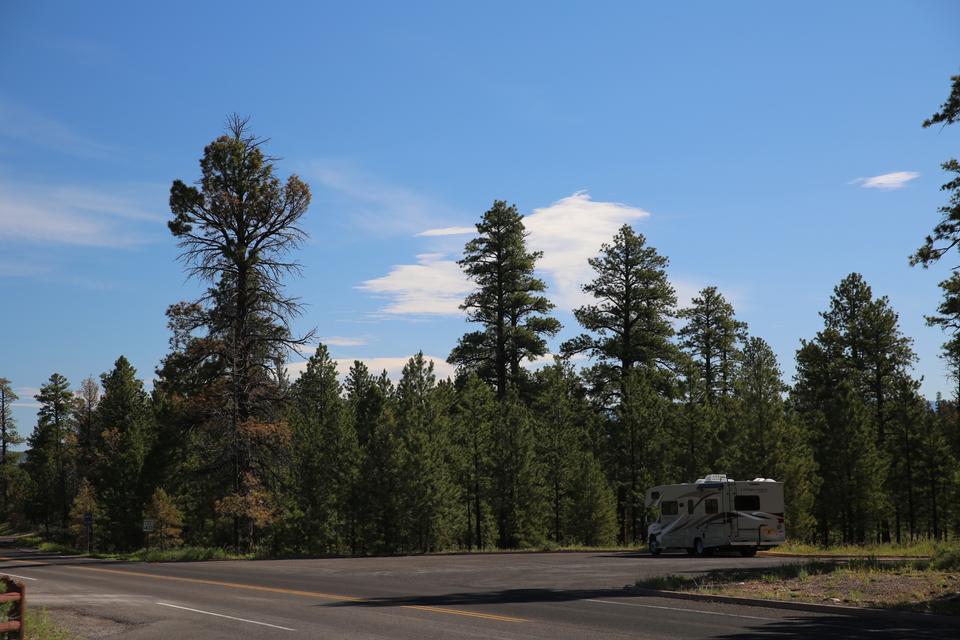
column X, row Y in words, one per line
column 630, row 324
column 125, row 421
column 507, row 304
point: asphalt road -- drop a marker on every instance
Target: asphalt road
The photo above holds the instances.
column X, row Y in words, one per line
column 532, row 595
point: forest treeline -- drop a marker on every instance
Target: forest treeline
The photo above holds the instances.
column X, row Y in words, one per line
column 228, row 449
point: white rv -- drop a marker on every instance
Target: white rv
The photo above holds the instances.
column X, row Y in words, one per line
column 717, row 513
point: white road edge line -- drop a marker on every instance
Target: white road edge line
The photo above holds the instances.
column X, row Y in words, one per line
column 653, row 606
column 13, row 575
column 220, row 615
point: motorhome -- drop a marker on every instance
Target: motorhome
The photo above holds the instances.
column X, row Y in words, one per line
column 717, row 513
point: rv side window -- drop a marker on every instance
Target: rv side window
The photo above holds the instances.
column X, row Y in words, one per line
column 746, row 503
column 711, row 505
column 668, row 508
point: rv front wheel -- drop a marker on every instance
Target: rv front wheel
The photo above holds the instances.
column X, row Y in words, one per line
column 698, row 549
column 655, row 548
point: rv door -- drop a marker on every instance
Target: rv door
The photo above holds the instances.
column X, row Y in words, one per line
column 748, row 525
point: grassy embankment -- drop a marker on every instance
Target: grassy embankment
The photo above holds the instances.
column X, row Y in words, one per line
column 918, row 549
column 193, row 554
column 930, row 585
column 175, row 554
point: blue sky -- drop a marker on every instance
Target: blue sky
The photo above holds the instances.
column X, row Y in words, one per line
column 765, row 149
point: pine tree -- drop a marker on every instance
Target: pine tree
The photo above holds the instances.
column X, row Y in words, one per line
column 759, row 388
column 769, row 441
column 909, row 412
column 125, row 422
column 560, row 441
column 474, row 416
column 381, row 471
column 167, row 517
column 236, row 232
column 630, row 324
column 831, row 407
column 796, row 467
column 944, row 239
column 876, row 355
column 937, row 465
column 84, row 503
column 508, row 303
column 517, row 494
column 368, row 410
column 429, row 496
column 324, row 458
column 8, row 438
column 592, row 516
column 87, row 398
column 699, row 428
column 643, row 445
column 946, row 234
column 711, row 336
column 50, row 454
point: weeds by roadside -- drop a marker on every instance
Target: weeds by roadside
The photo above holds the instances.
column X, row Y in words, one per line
column 918, row 549
column 40, row 626
column 928, row 585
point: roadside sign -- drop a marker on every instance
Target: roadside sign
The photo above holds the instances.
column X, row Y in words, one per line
column 87, row 519
column 148, row 524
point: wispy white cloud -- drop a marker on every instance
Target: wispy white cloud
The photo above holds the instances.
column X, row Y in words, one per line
column 887, row 181
column 433, row 286
column 392, row 365
column 570, row 231
column 343, row 341
column 375, row 205
column 308, row 350
column 20, row 123
column 447, row 231
column 73, row 215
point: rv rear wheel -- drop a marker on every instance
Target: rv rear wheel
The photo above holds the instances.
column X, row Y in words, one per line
column 698, row 549
column 748, row 552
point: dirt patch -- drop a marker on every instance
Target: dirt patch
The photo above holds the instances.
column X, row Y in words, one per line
column 919, row 591
column 88, row 627
column 911, row 586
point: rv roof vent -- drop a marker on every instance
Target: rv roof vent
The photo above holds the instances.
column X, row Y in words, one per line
column 716, row 477
column 764, row 480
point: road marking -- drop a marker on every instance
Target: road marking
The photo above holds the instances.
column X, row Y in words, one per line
column 297, row 592
column 220, row 615
column 653, row 606
column 462, row 612
column 13, row 575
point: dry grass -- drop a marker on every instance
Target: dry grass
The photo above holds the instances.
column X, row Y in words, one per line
column 931, row 586
column 918, row 549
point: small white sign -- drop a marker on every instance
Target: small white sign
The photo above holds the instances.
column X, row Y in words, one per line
column 148, row 524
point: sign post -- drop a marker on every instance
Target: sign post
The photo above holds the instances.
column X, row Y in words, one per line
column 88, row 525
column 148, row 524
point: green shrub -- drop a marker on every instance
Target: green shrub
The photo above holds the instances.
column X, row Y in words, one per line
column 40, row 626
column 946, row 559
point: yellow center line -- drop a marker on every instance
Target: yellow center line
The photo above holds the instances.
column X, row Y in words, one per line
column 297, row 592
